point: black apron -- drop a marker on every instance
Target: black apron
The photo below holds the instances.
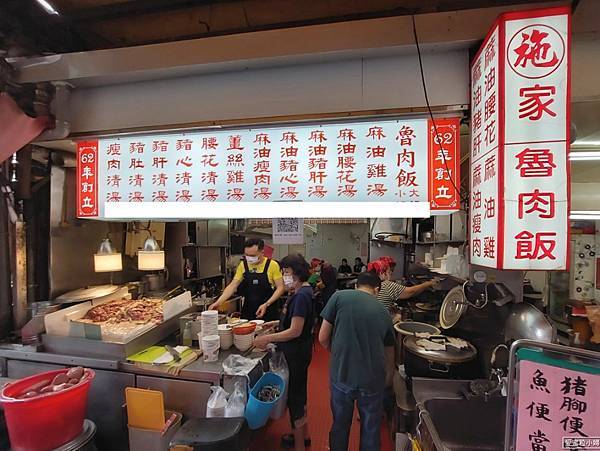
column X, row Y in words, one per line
column 256, row 290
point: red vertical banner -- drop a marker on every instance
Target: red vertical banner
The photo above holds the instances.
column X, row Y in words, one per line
column 444, row 163
column 87, row 179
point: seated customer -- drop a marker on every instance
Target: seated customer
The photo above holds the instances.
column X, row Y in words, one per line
column 345, row 268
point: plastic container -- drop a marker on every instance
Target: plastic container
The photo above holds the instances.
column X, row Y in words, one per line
column 210, row 347
column 48, row 421
column 258, row 412
column 149, row 440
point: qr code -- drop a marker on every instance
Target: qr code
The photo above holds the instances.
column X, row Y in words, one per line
column 288, row 225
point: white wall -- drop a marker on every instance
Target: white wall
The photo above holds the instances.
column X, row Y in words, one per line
column 332, row 243
column 329, row 87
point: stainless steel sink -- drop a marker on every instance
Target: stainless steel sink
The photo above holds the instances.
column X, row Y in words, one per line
column 462, row 424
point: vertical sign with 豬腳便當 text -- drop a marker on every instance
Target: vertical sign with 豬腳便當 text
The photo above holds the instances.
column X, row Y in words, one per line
column 519, row 144
column 557, row 407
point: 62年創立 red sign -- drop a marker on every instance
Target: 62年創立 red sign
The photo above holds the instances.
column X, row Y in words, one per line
column 382, row 165
column 519, row 143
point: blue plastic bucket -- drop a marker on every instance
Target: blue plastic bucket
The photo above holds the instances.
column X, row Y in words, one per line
column 258, row 412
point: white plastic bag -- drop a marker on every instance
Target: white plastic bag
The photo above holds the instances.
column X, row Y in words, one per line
column 236, row 365
column 215, row 407
column 236, row 404
column 279, row 366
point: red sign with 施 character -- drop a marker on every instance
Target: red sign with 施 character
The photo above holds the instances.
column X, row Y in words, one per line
column 519, row 145
column 87, row 178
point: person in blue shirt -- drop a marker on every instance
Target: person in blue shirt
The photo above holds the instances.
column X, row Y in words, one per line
column 295, row 339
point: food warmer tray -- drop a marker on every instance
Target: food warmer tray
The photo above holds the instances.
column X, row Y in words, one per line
column 85, row 347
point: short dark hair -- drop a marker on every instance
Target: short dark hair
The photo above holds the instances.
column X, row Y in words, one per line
column 368, row 279
column 358, row 259
column 344, row 260
column 299, row 266
column 251, row 242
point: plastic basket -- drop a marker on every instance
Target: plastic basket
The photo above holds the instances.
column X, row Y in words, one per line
column 258, row 412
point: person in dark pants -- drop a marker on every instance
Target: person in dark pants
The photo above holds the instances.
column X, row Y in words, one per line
column 358, row 331
column 259, row 280
column 296, row 341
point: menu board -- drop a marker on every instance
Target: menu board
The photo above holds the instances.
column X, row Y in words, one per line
column 375, row 162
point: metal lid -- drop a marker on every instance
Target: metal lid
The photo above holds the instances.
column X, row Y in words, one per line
column 453, row 307
column 525, row 321
column 86, row 294
column 450, row 355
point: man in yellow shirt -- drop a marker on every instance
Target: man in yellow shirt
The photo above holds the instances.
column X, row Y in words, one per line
column 259, row 280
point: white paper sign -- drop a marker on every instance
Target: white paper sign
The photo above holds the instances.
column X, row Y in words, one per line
column 288, row 231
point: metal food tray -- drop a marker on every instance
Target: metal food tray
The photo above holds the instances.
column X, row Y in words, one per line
column 85, row 347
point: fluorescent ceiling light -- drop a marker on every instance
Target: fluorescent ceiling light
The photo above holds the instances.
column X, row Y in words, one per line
column 253, row 210
column 47, row 7
column 584, row 156
column 584, row 214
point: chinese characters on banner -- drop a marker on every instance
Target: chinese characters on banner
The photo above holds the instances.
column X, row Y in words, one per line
column 444, row 164
column 87, row 179
column 382, row 161
column 519, row 143
column 555, row 404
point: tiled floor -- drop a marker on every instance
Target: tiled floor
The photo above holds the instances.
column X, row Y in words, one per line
column 319, row 414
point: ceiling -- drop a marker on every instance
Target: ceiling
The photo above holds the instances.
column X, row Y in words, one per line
column 25, row 28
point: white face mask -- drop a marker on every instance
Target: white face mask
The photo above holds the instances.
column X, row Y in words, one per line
column 288, row 281
column 252, row 259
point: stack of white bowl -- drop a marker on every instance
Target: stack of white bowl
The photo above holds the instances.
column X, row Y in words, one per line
column 210, row 322
column 226, row 335
column 243, row 342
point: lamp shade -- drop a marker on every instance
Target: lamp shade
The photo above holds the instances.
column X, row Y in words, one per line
column 108, row 262
column 151, row 260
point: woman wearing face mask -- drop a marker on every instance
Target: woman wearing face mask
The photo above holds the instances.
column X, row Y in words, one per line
column 295, row 339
